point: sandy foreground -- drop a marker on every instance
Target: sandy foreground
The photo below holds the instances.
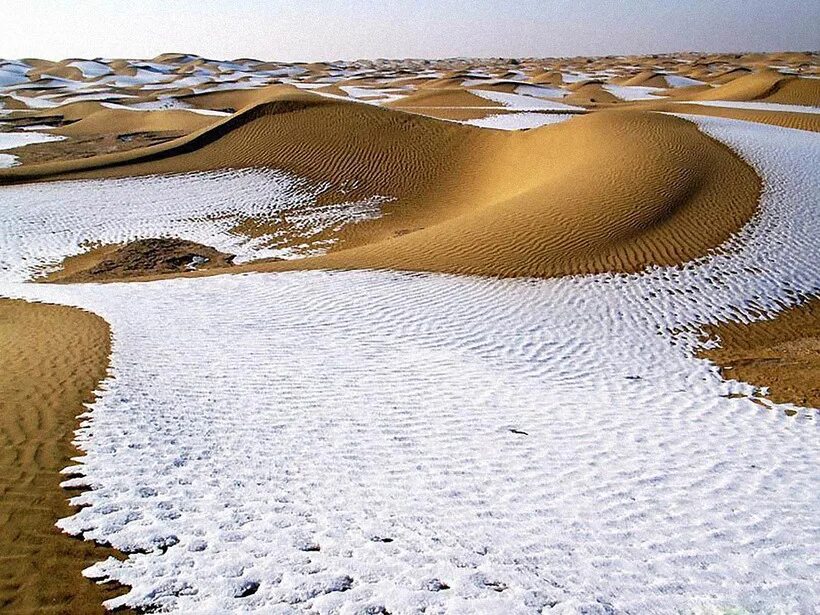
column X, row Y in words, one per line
column 457, row 365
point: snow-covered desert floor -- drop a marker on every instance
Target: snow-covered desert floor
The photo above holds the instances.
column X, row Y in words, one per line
column 374, row 441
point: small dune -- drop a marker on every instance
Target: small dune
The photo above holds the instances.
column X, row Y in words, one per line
column 160, row 256
column 767, row 85
column 126, row 121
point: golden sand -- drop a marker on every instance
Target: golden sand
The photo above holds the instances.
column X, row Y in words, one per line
column 53, row 358
column 558, row 200
column 782, row 354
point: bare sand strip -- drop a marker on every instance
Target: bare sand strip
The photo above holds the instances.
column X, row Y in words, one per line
column 53, row 358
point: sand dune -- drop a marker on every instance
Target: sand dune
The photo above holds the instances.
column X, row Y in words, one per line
column 796, row 91
column 646, row 79
column 557, row 200
column 236, row 99
column 442, row 97
column 767, row 85
column 587, row 93
column 799, row 121
column 562, row 213
column 126, row 121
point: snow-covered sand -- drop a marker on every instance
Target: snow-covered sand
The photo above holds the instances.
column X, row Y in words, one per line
column 12, row 140
column 633, row 92
column 680, row 81
column 520, row 102
column 338, row 442
column 41, row 224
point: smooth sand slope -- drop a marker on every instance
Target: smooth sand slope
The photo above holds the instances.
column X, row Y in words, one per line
column 53, row 358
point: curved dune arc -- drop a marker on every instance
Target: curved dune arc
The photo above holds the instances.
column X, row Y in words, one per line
column 799, row 121
column 54, row 358
column 600, row 193
column 768, row 85
column 611, row 191
column 102, row 165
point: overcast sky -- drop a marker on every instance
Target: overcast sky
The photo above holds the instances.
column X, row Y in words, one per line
column 348, row 29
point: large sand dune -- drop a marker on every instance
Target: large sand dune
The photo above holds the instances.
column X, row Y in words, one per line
column 561, row 199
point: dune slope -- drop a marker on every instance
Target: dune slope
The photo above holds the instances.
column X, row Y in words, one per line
column 612, row 191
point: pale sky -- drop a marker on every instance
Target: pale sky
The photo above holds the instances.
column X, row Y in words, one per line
column 292, row 30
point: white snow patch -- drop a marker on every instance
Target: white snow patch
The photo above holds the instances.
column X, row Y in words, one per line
column 523, row 103
column 8, row 160
column 540, row 91
column 93, row 96
column 143, row 78
column 575, row 77
column 679, row 81
column 33, row 102
column 9, row 76
column 42, row 224
column 91, row 69
column 519, row 121
column 163, row 105
column 374, row 95
column 36, row 127
column 633, row 92
column 12, row 140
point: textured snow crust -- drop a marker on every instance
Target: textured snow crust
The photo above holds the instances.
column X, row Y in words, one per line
column 41, row 224
column 355, row 442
